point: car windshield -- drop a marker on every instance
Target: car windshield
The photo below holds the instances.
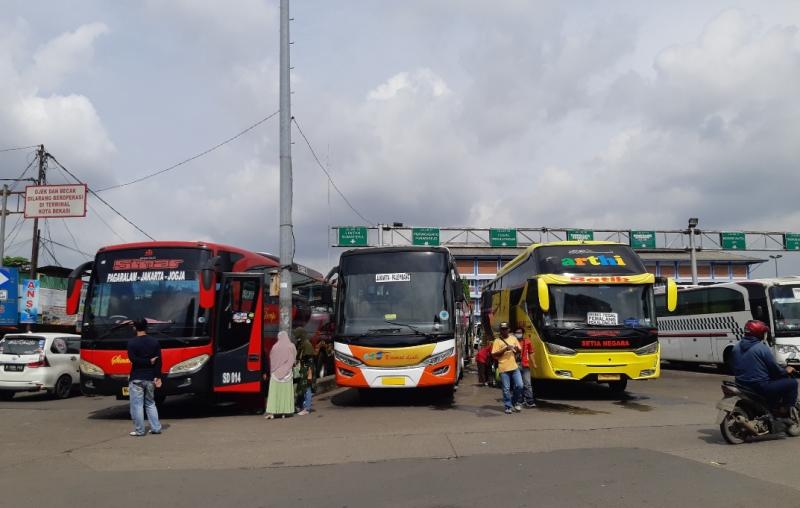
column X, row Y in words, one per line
column 601, row 305
column 786, row 307
column 21, row 345
column 160, row 285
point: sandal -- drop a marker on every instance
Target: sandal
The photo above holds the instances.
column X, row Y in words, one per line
column 269, row 416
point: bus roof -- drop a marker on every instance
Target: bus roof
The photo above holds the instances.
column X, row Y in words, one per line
column 527, row 252
column 404, row 248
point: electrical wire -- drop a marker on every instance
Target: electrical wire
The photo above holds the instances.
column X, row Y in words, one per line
column 97, row 214
column 18, row 148
column 322, row 167
column 89, row 256
column 74, row 242
column 93, row 193
column 181, row 163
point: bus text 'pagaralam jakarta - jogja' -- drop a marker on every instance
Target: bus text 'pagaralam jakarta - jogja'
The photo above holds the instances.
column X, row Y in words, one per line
column 587, row 307
column 401, row 318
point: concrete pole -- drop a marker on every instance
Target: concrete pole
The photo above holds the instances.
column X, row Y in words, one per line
column 3, row 225
column 286, row 237
column 693, row 255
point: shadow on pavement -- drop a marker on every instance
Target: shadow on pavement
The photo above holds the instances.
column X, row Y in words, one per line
column 182, row 408
column 414, row 397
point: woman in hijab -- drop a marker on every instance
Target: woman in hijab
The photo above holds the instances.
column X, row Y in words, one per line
column 280, row 399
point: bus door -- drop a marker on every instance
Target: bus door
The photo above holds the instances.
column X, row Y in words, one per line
column 237, row 363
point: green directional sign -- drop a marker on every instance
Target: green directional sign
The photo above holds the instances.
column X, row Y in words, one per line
column 732, row 240
column 580, row 234
column 425, row 236
column 791, row 241
column 353, row 236
column 642, row 239
column 503, row 237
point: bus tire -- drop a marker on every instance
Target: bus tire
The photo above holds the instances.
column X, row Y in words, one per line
column 159, row 398
column 6, row 395
column 618, row 386
column 446, row 393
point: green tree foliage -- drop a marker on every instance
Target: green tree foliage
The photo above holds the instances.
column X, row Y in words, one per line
column 17, row 261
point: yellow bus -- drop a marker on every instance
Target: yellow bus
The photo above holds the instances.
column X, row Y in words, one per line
column 587, row 307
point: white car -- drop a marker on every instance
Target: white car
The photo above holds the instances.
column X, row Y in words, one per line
column 31, row 362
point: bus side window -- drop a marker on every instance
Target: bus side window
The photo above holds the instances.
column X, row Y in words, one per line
column 758, row 301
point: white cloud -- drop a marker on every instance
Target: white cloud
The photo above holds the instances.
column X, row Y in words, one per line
column 63, row 55
column 420, row 81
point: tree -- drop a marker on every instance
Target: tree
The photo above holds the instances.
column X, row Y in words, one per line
column 17, row 261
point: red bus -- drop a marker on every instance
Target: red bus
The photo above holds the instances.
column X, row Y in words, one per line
column 213, row 308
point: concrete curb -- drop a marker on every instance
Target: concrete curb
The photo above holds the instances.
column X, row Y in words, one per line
column 326, row 384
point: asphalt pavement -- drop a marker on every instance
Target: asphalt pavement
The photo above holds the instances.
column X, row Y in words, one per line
column 658, row 445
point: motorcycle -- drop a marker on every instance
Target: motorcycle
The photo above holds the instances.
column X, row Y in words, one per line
column 744, row 414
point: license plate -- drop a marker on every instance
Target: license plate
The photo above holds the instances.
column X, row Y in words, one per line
column 608, row 377
column 125, row 391
column 13, row 368
column 393, row 381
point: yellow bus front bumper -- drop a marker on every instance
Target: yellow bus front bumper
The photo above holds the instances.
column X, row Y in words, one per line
column 595, row 366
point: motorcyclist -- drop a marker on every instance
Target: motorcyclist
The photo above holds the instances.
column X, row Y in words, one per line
column 755, row 368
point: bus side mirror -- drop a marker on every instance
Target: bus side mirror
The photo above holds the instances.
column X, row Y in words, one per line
column 208, row 283
column 74, row 286
column 544, row 295
column 672, row 294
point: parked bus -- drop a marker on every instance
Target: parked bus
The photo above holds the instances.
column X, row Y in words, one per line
column 213, row 308
column 709, row 320
column 401, row 319
column 587, row 307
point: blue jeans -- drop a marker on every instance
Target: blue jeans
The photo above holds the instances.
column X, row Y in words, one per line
column 142, row 394
column 527, row 386
column 507, row 378
column 779, row 392
column 307, row 399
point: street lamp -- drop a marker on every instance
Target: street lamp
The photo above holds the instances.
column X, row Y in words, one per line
column 776, row 257
column 692, row 253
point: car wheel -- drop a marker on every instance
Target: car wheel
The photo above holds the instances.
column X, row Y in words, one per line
column 63, row 387
column 6, row 395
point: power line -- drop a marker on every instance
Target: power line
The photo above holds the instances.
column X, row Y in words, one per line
column 70, row 248
column 74, row 242
column 93, row 193
column 18, row 148
column 322, row 167
column 97, row 214
column 205, row 152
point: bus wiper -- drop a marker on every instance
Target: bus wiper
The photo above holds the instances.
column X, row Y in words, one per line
column 115, row 327
column 416, row 331
column 377, row 331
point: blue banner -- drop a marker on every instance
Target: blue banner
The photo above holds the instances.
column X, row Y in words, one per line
column 9, row 280
column 29, row 312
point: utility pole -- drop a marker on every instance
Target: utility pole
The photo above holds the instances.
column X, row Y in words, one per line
column 286, row 238
column 3, row 224
column 41, row 179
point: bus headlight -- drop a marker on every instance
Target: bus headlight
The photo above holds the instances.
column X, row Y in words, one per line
column 649, row 349
column 347, row 359
column 439, row 357
column 189, row 366
column 555, row 349
column 90, row 369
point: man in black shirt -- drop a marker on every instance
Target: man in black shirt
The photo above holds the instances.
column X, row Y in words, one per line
column 144, row 352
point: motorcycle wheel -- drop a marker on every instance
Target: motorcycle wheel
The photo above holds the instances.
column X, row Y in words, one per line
column 731, row 431
column 794, row 429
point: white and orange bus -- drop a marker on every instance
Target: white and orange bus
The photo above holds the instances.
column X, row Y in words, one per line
column 399, row 319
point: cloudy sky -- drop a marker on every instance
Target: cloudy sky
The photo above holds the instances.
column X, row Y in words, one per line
column 514, row 113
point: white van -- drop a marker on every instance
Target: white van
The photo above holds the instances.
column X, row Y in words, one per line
column 30, row 362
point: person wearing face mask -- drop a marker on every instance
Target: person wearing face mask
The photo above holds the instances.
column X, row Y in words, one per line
column 528, row 361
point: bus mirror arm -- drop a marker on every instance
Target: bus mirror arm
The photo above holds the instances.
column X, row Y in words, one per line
column 544, row 295
column 208, row 283
column 334, row 271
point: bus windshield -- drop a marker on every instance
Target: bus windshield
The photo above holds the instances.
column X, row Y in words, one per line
column 160, row 285
column 395, row 293
column 602, row 306
column 786, row 307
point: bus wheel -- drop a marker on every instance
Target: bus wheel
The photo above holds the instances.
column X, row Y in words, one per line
column 618, row 386
column 446, row 393
column 6, row 395
column 725, row 367
column 159, row 398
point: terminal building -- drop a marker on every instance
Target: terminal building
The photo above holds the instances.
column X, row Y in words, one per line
column 479, row 265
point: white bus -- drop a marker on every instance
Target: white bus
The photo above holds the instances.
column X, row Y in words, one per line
column 709, row 320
